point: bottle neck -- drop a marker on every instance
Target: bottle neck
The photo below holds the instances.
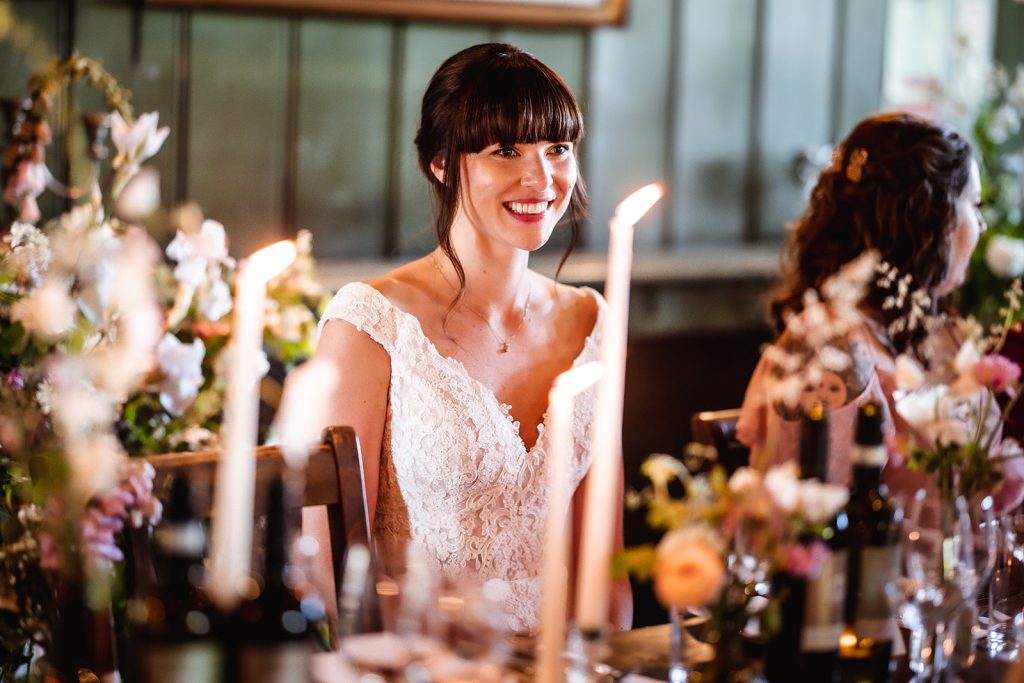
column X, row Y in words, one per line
column 865, row 477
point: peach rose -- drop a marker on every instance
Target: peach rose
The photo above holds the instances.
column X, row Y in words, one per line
column 688, row 572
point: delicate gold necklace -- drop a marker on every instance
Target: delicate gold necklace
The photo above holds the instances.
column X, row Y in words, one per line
column 503, row 344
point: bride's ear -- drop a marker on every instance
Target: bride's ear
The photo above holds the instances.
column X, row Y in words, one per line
column 437, row 168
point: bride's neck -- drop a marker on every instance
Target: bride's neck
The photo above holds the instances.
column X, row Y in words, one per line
column 495, row 278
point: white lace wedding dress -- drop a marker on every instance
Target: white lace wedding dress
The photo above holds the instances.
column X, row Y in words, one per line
column 455, row 476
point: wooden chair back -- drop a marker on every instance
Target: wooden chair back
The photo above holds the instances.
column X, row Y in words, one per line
column 333, row 478
column 718, row 428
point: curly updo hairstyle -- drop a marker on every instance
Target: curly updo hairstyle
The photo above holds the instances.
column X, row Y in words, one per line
column 893, row 187
column 487, row 94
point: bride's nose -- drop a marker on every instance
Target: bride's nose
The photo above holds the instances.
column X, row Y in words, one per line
column 536, row 172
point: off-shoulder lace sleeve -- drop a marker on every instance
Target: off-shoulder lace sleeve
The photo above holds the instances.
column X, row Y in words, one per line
column 367, row 309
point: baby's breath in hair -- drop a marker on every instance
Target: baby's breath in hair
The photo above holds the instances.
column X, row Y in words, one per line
column 913, row 304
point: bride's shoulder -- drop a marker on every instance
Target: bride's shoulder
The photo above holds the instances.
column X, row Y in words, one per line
column 579, row 306
column 404, row 287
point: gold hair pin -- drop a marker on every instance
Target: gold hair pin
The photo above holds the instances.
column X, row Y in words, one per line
column 855, row 166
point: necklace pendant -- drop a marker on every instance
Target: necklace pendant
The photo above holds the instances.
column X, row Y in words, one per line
column 503, row 348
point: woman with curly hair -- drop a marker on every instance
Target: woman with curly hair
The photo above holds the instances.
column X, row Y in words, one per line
column 908, row 190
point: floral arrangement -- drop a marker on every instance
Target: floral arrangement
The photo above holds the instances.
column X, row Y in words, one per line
column 726, row 537
column 107, row 349
column 956, row 418
column 180, row 407
column 80, row 322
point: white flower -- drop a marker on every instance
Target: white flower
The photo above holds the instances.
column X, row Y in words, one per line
column 1005, row 123
column 909, row 373
column 783, row 483
column 820, row 502
column 1015, row 93
column 1004, row 256
column 289, row 323
column 216, row 301
column 94, row 462
column 44, row 397
column 30, row 249
column 78, row 407
column 934, row 413
column 661, row 469
column 48, row 312
column 182, row 368
column 222, row 365
column 140, row 196
column 137, row 142
column 966, row 383
column 744, row 479
column 196, row 438
column 195, row 252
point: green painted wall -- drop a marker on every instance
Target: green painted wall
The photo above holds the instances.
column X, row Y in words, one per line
column 288, row 121
column 1009, row 29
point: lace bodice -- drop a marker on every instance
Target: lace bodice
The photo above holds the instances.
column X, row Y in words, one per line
column 455, row 476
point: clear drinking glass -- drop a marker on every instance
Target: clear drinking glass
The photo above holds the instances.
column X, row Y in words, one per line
column 1006, row 589
column 940, row 572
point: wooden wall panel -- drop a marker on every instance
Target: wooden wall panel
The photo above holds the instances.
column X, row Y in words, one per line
column 860, row 71
column 713, row 97
column 628, row 108
column 795, row 104
column 343, row 140
column 237, row 125
column 29, row 42
column 154, row 82
column 424, row 47
column 713, row 120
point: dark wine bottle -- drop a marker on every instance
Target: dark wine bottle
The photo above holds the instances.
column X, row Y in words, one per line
column 174, row 627
column 276, row 636
column 806, row 647
column 874, row 558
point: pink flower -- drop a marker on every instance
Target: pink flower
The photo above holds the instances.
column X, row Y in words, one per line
column 27, row 183
column 996, row 372
column 49, row 554
column 806, row 560
column 688, row 571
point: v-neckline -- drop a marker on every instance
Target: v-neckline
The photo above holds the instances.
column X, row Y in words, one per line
column 504, row 409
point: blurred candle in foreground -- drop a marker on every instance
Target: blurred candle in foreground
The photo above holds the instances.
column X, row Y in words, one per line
column 556, row 578
column 234, row 491
column 302, row 414
column 594, row 585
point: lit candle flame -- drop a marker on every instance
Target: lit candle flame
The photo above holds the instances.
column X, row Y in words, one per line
column 577, row 380
column 267, row 263
column 635, row 206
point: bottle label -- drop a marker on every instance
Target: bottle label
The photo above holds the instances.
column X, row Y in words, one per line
column 196, row 662
column 880, row 565
column 277, row 662
column 823, row 614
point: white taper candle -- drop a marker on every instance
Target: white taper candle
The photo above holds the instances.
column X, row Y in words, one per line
column 234, row 491
column 594, row 584
column 554, row 607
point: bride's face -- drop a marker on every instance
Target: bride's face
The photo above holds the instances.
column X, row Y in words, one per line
column 516, row 194
column 970, row 225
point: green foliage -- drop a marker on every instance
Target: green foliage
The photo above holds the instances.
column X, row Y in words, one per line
column 999, row 150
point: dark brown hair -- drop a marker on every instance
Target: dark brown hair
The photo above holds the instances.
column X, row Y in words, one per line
column 487, row 94
column 893, row 186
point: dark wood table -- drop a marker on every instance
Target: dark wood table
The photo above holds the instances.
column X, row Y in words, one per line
column 645, row 651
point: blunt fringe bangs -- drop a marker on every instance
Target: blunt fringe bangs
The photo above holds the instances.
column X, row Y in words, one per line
column 519, row 101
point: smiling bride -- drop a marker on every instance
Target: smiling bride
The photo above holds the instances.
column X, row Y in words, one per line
column 447, row 361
